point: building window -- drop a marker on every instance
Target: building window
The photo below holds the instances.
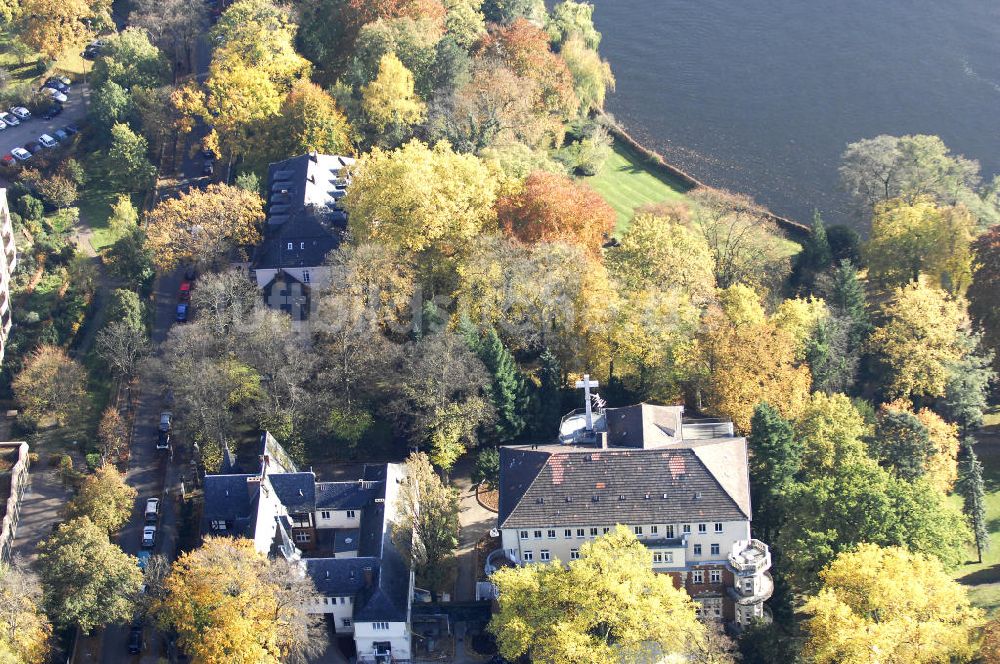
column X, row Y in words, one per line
column 290, row 246
column 538, row 534
column 574, row 554
column 702, row 527
column 606, row 530
column 326, row 600
column 545, row 554
column 657, row 557
column 346, row 622
column 305, row 276
column 686, row 528
column 718, row 527
column 324, row 515
column 302, row 537
column 529, row 556
column 637, row 530
column 669, row 531
column 524, row 534
column 568, row 533
column 715, row 576
column 668, row 557
column 748, row 585
column 653, row 530
column 350, row 514
column 380, row 626
column 593, row 532
column 580, row 532
column 552, row 534
column 218, row 525
column 698, row 576
column 697, row 549
column 302, row 245
column 715, row 549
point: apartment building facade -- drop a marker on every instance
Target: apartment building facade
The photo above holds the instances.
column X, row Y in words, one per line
column 8, row 261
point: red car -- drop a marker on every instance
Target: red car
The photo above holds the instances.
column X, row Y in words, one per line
column 185, row 293
column 8, row 160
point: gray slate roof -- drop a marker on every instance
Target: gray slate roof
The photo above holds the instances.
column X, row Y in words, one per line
column 296, row 491
column 343, row 495
column 227, row 499
column 571, row 485
column 339, row 577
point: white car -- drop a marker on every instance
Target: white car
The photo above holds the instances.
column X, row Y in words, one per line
column 9, row 119
column 47, row 141
column 21, row 112
column 148, row 536
column 21, row 154
column 55, row 94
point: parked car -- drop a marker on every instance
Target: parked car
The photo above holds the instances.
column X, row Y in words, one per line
column 55, row 95
column 60, row 83
column 47, row 141
column 21, row 154
column 185, row 291
column 71, row 129
column 182, row 312
column 21, row 112
column 148, row 536
column 152, row 509
column 135, row 640
column 8, row 160
column 3, row 127
column 166, row 420
column 52, row 111
column 33, row 147
column 60, row 135
column 9, row 119
column 143, row 557
column 163, row 440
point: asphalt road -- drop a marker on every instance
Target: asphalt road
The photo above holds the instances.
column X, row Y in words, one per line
column 74, row 110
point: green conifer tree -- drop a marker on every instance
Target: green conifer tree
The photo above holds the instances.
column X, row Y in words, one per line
column 547, row 399
column 970, row 487
column 507, row 390
column 845, row 295
column 775, row 458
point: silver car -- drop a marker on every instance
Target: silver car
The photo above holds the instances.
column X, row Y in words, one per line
column 9, row 119
column 47, row 141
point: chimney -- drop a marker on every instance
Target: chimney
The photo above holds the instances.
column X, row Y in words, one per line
column 328, row 574
column 314, row 156
column 602, row 439
column 368, row 572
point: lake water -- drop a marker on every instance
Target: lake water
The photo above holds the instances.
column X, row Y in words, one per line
column 761, row 96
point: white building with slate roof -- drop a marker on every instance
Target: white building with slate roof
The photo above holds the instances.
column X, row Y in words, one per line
column 681, row 486
column 340, row 532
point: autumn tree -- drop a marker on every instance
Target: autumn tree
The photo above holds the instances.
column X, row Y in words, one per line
column 570, row 19
column 51, row 384
column 105, row 498
column 918, row 340
column 122, row 346
column 52, row 27
column 901, row 605
column 389, row 101
column 592, row 77
column 984, row 291
column 25, row 632
column 310, row 121
column 112, row 434
column 746, row 244
column 427, row 527
column 909, row 239
column 554, row 208
column 203, row 226
column 608, row 605
column 228, row 602
column 831, row 432
column 88, row 581
column 418, row 198
column 174, row 25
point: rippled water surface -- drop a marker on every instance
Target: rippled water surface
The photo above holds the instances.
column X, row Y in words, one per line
column 761, row 96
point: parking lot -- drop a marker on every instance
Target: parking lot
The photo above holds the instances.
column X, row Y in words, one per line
column 74, row 110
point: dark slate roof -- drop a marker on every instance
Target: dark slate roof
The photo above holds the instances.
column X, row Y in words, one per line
column 590, row 486
column 296, row 491
column 335, row 577
column 229, row 466
column 227, row 499
column 343, row 495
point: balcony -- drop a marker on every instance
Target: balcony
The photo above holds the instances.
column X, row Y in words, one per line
column 766, row 590
column 749, row 557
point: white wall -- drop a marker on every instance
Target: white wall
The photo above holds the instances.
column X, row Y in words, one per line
column 319, row 275
column 336, row 607
column 338, row 519
column 365, row 635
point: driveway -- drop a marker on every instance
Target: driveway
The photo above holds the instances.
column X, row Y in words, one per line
column 475, row 522
column 74, row 110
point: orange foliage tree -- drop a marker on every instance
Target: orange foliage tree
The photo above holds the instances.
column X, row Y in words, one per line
column 554, row 208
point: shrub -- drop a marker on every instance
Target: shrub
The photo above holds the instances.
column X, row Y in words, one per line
column 31, row 208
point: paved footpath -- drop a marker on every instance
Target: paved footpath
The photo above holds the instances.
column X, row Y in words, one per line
column 475, row 522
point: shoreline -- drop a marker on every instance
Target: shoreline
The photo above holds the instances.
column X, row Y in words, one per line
column 656, row 161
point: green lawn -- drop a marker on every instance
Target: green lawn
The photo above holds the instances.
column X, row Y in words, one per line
column 984, row 578
column 626, row 183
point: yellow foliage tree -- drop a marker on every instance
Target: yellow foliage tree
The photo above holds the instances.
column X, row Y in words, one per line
column 390, row 98
column 831, row 432
column 239, row 100
column 51, row 384
column 916, row 237
column 230, row 604
column 418, row 198
column 607, row 606
column 24, row 629
column 889, row 605
column 800, row 318
column 105, row 498
column 919, row 339
column 53, row 26
column 748, row 359
column 203, row 226
column 942, row 466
